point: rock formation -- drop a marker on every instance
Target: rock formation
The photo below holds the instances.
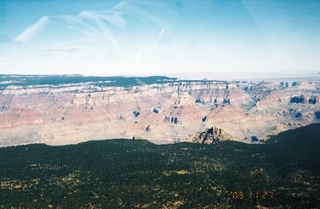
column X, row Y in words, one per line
column 210, row 136
column 163, row 112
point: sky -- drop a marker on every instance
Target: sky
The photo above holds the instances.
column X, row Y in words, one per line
column 157, row 37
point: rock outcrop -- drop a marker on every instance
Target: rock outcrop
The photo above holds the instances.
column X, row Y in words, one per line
column 210, row 136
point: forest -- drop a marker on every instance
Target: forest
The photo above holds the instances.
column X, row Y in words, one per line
column 284, row 172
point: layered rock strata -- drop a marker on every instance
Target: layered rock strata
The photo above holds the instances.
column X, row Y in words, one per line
column 162, row 113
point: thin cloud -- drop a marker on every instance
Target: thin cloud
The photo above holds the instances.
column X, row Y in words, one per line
column 51, row 51
column 155, row 12
column 116, row 16
column 81, row 24
column 60, row 50
column 33, row 30
column 98, row 26
column 153, row 46
column 64, row 21
column 111, row 16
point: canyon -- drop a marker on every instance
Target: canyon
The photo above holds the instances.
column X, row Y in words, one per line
column 58, row 110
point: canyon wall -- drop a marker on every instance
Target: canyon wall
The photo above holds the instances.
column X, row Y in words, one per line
column 162, row 113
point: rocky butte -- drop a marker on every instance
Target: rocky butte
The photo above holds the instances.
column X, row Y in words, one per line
column 59, row 110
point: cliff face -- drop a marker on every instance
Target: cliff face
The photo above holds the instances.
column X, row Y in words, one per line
column 210, row 136
column 161, row 113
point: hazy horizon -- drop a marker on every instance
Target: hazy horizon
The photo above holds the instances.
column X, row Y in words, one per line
column 141, row 37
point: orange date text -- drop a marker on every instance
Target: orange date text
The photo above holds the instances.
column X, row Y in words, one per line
column 239, row 195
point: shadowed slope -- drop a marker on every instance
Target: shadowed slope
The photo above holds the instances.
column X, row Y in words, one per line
column 282, row 173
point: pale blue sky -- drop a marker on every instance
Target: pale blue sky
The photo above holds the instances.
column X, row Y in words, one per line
column 146, row 37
